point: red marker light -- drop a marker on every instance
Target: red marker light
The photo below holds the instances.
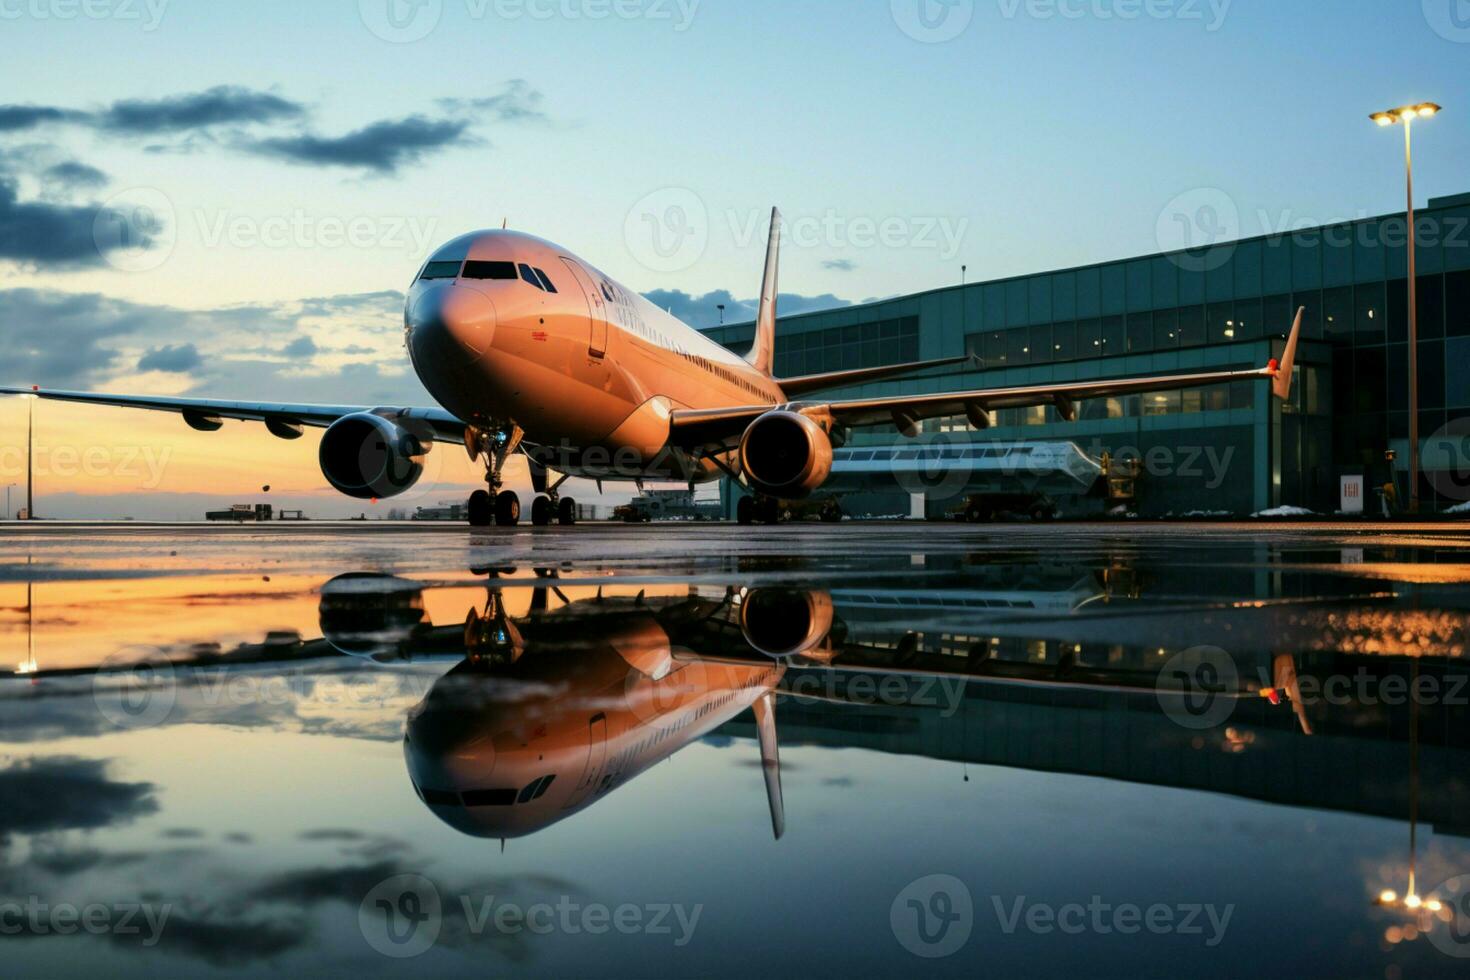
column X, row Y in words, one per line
column 1273, row 365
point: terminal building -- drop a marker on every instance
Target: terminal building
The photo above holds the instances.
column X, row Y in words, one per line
column 1225, row 448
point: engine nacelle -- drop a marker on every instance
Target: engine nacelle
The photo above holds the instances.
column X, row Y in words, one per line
column 369, row 457
column 785, row 455
column 784, row 623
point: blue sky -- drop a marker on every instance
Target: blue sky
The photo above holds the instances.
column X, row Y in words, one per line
column 651, row 137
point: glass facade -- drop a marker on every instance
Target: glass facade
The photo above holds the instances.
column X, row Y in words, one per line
column 1226, row 306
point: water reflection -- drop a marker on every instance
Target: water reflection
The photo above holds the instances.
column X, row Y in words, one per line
column 1294, row 715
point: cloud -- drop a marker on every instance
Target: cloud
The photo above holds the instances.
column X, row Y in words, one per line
column 218, row 106
column 68, row 793
column 300, row 347
column 703, row 311
column 74, row 175
column 17, row 117
column 840, row 265
column 382, row 147
column 179, row 360
column 91, row 341
column 63, row 236
column 518, row 103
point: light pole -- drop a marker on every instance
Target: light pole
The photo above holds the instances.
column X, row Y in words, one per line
column 30, row 456
column 8, row 488
column 1406, row 115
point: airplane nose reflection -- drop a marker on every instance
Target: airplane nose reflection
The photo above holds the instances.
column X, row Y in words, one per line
column 451, row 323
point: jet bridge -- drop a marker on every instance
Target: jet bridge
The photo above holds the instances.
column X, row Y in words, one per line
column 1057, row 469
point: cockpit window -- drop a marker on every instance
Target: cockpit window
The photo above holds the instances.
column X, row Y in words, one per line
column 530, row 276
column 545, row 279
column 489, row 797
column 489, row 270
column 535, row 789
column 608, row 293
column 440, row 270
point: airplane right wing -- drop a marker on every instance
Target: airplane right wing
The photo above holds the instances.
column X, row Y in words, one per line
column 715, row 427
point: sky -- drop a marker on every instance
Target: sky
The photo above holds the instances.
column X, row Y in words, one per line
column 229, row 199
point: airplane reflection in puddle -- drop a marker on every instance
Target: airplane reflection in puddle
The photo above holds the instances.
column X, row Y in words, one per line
column 547, row 711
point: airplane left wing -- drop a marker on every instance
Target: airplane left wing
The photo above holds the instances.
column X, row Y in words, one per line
column 703, row 428
column 284, row 419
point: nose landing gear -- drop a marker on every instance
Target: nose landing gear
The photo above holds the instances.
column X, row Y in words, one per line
column 494, row 505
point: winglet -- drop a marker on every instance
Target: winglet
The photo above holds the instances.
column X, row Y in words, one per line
column 1281, row 378
column 762, row 354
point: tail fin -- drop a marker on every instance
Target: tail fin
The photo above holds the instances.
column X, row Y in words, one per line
column 1281, row 384
column 765, row 729
column 762, row 354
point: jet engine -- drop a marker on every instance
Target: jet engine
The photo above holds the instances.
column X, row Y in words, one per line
column 368, row 456
column 784, row 623
column 785, row 455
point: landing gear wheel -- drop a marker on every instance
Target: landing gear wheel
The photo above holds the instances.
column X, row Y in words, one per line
column 566, row 512
column 481, row 509
column 507, row 509
column 541, row 511
column 745, row 510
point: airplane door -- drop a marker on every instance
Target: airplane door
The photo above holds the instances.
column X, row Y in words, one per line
column 596, row 759
column 596, row 308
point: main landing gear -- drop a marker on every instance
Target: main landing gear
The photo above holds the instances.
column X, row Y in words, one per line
column 549, row 506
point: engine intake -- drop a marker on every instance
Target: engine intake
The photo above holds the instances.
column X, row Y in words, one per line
column 784, row 623
column 785, row 455
column 368, row 457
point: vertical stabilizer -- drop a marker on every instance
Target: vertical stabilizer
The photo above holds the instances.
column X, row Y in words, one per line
column 765, row 728
column 762, row 354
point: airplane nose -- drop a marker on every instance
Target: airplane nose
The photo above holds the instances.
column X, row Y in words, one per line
column 451, row 323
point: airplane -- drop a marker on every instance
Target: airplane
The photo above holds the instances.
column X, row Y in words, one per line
column 529, row 349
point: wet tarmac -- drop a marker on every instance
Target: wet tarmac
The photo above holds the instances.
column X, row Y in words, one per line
column 706, row 750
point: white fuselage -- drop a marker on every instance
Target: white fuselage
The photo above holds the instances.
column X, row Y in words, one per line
column 589, row 372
